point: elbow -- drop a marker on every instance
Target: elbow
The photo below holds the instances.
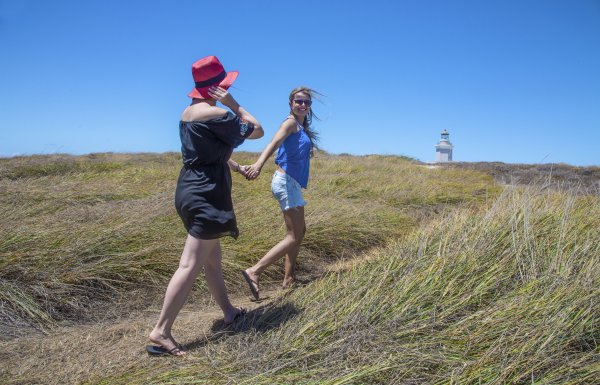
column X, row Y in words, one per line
column 258, row 132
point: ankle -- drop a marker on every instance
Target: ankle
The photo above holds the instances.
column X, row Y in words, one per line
column 158, row 332
column 229, row 309
column 254, row 273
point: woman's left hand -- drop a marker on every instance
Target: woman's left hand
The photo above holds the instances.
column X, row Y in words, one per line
column 253, row 171
column 222, row 95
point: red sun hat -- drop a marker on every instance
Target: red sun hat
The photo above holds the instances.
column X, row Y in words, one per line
column 209, row 72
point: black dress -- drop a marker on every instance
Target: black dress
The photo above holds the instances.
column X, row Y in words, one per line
column 203, row 194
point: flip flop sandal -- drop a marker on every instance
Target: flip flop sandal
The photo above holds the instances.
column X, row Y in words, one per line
column 253, row 285
column 157, row 350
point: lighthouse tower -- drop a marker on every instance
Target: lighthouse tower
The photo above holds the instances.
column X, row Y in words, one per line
column 443, row 150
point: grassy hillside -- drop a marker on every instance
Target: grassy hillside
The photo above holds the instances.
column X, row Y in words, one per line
column 508, row 294
column 556, row 175
column 416, row 275
column 79, row 233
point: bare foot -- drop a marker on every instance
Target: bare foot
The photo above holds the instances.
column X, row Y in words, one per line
column 167, row 342
column 230, row 318
column 288, row 282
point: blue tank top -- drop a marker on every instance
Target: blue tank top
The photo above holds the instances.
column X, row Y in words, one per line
column 293, row 156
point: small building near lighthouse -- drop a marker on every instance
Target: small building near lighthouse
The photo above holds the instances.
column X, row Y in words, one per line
column 443, row 150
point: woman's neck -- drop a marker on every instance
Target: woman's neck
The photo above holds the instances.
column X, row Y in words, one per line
column 301, row 121
column 210, row 102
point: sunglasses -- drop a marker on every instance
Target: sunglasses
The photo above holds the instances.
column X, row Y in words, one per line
column 300, row 102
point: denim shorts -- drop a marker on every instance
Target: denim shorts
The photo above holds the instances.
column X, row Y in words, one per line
column 287, row 191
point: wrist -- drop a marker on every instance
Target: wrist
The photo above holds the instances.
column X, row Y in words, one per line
column 233, row 105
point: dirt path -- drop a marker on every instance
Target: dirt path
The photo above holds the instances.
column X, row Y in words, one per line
column 77, row 354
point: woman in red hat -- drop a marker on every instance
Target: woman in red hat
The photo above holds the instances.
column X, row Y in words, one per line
column 203, row 196
column 294, row 140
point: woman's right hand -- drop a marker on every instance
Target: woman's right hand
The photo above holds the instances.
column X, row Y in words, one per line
column 244, row 171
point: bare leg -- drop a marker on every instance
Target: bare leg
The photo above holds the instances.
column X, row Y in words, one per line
column 290, row 259
column 216, row 284
column 193, row 257
column 289, row 266
column 290, row 244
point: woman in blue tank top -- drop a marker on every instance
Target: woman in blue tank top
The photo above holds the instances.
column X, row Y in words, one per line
column 294, row 142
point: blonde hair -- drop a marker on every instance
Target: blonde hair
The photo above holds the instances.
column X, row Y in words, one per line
column 312, row 135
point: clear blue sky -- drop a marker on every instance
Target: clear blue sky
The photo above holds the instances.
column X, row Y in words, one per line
column 516, row 81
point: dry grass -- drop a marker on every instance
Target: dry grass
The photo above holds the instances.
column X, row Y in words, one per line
column 503, row 295
column 584, row 180
column 79, row 233
column 500, row 288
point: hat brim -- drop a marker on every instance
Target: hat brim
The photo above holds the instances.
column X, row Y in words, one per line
column 202, row 93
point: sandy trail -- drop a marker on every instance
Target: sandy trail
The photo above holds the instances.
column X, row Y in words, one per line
column 77, row 354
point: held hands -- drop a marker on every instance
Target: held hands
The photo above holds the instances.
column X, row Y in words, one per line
column 243, row 170
column 253, row 171
column 250, row 171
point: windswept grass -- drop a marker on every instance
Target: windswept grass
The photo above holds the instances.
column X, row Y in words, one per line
column 418, row 276
column 585, row 180
column 505, row 294
column 80, row 233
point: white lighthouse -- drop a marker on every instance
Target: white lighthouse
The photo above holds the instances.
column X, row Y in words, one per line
column 443, row 150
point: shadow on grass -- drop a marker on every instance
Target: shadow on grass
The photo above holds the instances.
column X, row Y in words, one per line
column 258, row 320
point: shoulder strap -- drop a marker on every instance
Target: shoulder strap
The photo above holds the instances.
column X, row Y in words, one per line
column 299, row 126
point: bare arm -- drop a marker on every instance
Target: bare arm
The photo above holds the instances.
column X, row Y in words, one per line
column 234, row 166
column 287, row 128
column 227, row 99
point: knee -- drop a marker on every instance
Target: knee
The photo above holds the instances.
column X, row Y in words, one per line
column 189, row 265
column 296, row 238
column 190, row 262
